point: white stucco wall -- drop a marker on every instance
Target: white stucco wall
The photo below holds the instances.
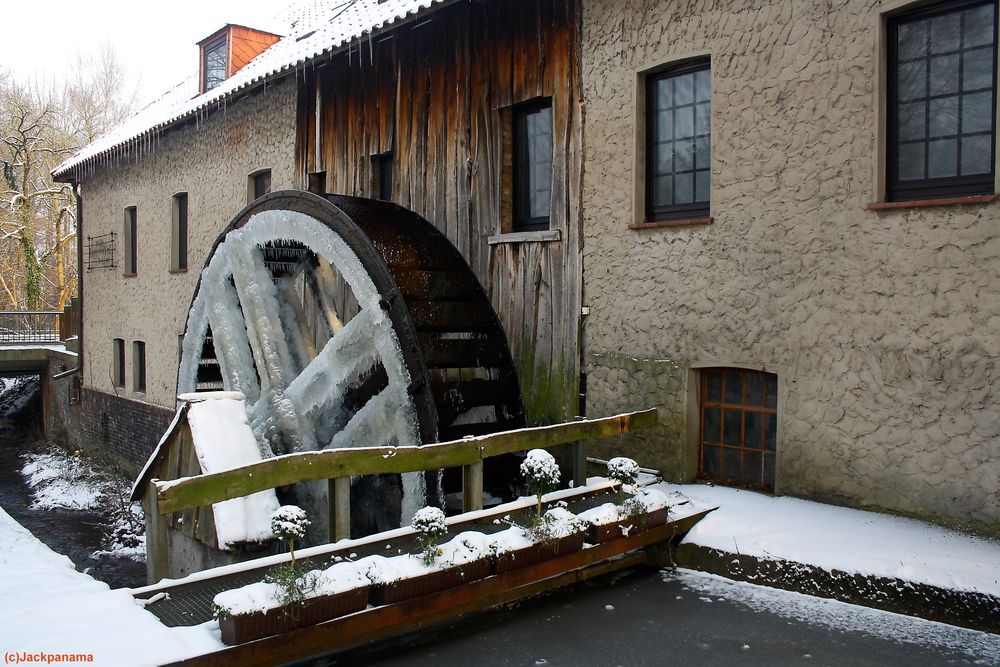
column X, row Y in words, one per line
column 883, row 328
column 210, row 160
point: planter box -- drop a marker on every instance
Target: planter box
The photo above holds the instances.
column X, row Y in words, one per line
column 536, row 553
column 241, row 628
column 431, row 582
column 597, row 534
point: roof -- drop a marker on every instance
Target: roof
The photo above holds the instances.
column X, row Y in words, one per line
column 314, row 28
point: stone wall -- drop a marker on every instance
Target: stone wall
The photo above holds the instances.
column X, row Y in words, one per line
column 210, row 160
column 882, row 327
column 121, row 430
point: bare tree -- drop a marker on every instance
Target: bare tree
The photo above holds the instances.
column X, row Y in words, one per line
column 42, row 124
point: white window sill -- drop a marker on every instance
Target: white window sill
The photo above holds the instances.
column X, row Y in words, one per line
column 547, row 236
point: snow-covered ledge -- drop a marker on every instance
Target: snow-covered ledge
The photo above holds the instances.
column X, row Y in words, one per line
column 547, row 236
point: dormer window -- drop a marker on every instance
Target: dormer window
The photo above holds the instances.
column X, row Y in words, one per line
column 214, row 63
column 226, row 51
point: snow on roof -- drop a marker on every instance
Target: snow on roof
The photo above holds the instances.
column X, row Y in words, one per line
column 223, row 440
column 317, row 27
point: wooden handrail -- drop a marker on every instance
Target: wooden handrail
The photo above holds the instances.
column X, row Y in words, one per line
column 211, row 488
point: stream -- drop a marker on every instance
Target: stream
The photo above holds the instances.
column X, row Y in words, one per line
column 74, row 533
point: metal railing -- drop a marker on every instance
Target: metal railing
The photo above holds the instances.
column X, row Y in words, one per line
column 29, row 326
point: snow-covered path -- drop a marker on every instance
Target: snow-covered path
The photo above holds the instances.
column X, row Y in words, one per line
column 48, row 607
column 839, row 538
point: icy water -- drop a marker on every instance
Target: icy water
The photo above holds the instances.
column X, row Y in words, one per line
column 74, row 533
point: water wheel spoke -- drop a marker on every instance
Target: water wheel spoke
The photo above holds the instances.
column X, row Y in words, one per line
column 344, row 357
column 232, row 347
column 379, row 419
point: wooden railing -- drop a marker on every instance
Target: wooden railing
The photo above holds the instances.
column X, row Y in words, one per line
column 339, row 465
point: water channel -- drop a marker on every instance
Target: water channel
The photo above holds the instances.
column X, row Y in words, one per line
column 73, row 533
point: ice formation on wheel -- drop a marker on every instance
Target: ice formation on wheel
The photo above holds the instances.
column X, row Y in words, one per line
column 348, row 322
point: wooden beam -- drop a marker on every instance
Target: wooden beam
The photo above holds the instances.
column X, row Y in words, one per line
column 157, row 537
column 271, row 473
column 472, row 487
column 340, row 508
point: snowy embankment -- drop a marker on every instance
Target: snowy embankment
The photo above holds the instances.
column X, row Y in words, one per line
column 838, row 538
column 49, row 607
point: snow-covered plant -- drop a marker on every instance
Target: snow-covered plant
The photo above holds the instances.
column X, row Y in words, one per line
column 541, row 472
column 623, row 470
column 293, row 585
column 289, row 523
column 429, row 522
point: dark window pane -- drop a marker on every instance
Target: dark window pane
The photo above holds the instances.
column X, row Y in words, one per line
column 730, row 463
column 942, row 158
column 215, row 64
column 731, row 427
column 664, row 93
column 683, row 188
column 703, row 155
column 755, row 389
column 710, row 463
column 979, row 26
column 945, row 33
column 702, row 186
column 977, row 70
column 769, row 470
column 772, row 391
column 943, row 117
column 684, row 89
column 664, row 126
column 753, row 433
column 770, row 432
column 977, row 112
column 734, row 387
column 944, row 75
column 684, row 156
column 713, row 425
column 664, row 159
column 912, row 80
column 683, row 122
column 976, row 157
column 913, row 40
column 702, row 119
column 533, row 166
column 752, row 468
column 911, row 120
column 714, row 386
column 703, row 86
column 663, row 190
column 911, row 162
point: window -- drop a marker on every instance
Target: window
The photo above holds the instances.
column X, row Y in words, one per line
column 532, row 165
column 258, row 184
column 131, row 233
column 214, row 63
column 739, row 426
column 941, row 101
column 179, row 232
column 138, row 366
column 118, row 362
column 382, row 174
column 679, row 142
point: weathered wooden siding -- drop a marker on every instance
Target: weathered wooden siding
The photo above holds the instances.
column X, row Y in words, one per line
column 435, row 95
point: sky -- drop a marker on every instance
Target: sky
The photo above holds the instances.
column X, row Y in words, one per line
column 155, row 41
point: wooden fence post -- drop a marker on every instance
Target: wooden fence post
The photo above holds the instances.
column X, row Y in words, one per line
column 157, row 547
column 339, row 496
column 472, row 486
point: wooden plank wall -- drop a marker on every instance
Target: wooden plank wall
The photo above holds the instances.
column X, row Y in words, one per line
column 436, row 96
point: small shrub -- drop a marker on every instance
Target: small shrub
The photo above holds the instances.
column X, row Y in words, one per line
column 541, row 472
column 429, row 522
column 289, row 523
column 295, row 584
column 625, row 471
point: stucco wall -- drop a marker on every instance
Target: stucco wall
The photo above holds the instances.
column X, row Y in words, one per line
column 882, row 327
column 210, row 160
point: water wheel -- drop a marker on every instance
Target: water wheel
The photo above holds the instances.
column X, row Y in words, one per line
column 351, row 322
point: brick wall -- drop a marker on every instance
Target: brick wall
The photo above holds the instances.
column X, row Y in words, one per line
column 120, row 429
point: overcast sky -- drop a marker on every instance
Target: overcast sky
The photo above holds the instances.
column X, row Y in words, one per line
column 155, row 41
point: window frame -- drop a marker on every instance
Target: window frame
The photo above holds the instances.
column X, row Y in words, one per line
column 139, row 366
column 131, row 246
column 383, row 175
column 675, row 213
column 221, row 41
column 118, row 362
column 521, row 223
column 179, row 210
column 253, row 179
column 897, row 190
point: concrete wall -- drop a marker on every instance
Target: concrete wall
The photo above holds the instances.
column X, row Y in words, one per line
column 881, row 327
column 210, row 160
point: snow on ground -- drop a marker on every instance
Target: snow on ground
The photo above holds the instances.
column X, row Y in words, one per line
column 840, row 616
column 61, row 481
column 49, row 607
column 831, row 537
